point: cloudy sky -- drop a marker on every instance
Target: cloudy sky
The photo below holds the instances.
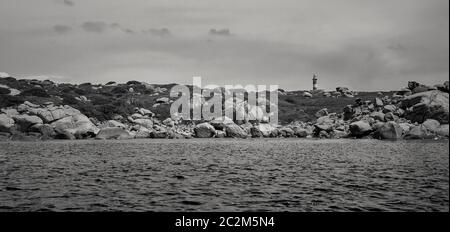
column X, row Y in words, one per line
column 362, row 44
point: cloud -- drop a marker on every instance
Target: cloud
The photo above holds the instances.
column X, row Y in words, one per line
column 222, row 32
column 62, row 29
column 67, row 2
column 95, row 27
column 163, row 32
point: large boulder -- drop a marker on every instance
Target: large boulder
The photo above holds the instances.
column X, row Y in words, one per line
column 148, row 123
column 77, row 125
column 431, row 125
column 263, row 130
column 389, row 108
column 47, row 131
column 169, row 122
column 390, row 131
column 142, row 133
column 307, row 95
column 378, row 116
column 159, row 132
column 10, row 112
column 6, row 123
column 114, row 123
column 418, row 132
column 286, row 132
column 443, row 130
column 360, row 129
column 302, row 132
column 113, row 133
column 427, row 105
column 220, row 122
column 25, row 121
column 52, row 113
column 204, row 130
column 235, row 131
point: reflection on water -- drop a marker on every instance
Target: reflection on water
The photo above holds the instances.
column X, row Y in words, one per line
column 224, row 175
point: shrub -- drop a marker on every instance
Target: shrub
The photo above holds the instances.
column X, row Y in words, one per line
column 38, row 92
column 4, row 91
column 119, row 90
column 7, row 101
column 133, row 83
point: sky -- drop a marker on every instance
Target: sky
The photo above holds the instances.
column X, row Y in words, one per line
column 362, row 44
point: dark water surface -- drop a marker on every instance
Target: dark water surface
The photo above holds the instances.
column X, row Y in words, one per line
column 225, row 175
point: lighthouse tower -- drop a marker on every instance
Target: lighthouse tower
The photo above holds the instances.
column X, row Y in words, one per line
column 315, row 82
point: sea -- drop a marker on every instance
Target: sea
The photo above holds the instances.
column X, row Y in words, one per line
column 221, row 175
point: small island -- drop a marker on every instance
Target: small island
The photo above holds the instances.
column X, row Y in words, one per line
column 37, row 110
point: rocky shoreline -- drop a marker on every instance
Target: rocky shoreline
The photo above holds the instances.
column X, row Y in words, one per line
column 416, row 112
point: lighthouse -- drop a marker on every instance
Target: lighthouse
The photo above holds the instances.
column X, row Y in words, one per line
column 315, row 82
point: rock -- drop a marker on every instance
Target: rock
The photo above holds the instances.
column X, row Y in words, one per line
column 389, row 108
column 390, row 117
column 328, row 127
column 325, row 120
column 51, row 114
column 220, row 122
column 427, row 105
column 169, row 122
column 337, row 134
column 286, row 132
column 431, row 125
column 321, row 113
column 348, row 112
column 158, row 134
column 263, row 130
column 307, row 95
column 378, row 116
column 443, row 130
column 360, row 128
column 220, row 134
column 420, row 89
column 162, row 100
column 404, row 92
column 25, row 121
column 406, row 127
column 235, row 131
column 117, row 117
column 379, row 102
column 302, row 133
column 324, row 135
column 142, row 133
column 446, row 87
column 46, row 130
column 114, row 123
column 6, row 123
column 145, row 112
column 348, row 95
column 10, row 112
column 204, row 130
column 342, row 89
column 112, row 133
column 418, row 132
column 390, row 131
column 148, row 123
column 255, row 132
column 139, row 116
column 78, row 125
